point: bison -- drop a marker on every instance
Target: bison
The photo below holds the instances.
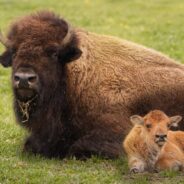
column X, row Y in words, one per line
column 74, row 90
column 150, row 146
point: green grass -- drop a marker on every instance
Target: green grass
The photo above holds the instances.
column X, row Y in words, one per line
column 154, row 23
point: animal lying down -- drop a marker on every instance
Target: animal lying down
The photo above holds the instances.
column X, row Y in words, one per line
column 151, row 146
column 74, row 90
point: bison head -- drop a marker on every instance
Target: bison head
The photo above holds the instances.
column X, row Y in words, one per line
column 37, row 48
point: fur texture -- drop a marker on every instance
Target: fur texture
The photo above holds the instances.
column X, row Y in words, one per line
column 84, row 101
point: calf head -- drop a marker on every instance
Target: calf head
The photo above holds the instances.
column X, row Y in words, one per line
column 37, row 48
column 156, row 125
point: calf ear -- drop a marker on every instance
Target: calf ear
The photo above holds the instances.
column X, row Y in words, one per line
column 174, row 120
column 137, row 120
column 6, row 58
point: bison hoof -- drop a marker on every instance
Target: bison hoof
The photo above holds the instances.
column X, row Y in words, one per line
column 28, row 147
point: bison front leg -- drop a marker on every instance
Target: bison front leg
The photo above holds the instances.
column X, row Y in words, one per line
column 102, row 143
column 46, row 147
column 32, row 145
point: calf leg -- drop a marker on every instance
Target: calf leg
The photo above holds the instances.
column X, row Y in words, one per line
column 136, row 164
column 171, row 158
column 170, row 164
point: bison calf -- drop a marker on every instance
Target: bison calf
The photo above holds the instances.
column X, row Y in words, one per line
column 74, row 91
column 151, row 146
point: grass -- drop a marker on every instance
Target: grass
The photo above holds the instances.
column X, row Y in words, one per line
column 154, row 23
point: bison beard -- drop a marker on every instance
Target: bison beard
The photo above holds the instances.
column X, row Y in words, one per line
column 49, row 139
column 74, row 91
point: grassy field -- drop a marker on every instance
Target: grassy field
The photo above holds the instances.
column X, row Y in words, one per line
column 155, row 23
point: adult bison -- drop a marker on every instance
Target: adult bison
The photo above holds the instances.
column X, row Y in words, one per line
column 74, row 91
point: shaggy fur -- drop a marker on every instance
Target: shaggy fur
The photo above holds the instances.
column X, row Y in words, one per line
column 85, row 100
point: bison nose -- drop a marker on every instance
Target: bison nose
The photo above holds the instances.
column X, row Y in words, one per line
column 25, row 80
column 161, row 136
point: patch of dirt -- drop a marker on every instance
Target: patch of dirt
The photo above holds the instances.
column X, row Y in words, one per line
column 156, row 178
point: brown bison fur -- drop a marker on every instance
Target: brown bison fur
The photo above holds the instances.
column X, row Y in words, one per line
column 89, row 85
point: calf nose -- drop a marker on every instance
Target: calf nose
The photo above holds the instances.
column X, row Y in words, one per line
column 161, row 136
column 25, row 80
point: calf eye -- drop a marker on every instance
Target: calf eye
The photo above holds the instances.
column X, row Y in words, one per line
column 148, row 125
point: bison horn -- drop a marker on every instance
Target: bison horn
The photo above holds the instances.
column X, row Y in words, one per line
column 3, row 40
column 68, row 36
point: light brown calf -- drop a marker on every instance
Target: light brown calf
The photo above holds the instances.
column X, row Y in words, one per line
column 151, row 146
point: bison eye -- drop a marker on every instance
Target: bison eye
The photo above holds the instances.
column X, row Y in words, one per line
column 54, row 55
column 52, row 52
column 13, row 55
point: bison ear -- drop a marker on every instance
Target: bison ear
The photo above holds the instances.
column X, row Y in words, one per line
column 174, row 120
column 137, row 120
column 70, row 53
column 6, row 58
column 70, row 47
